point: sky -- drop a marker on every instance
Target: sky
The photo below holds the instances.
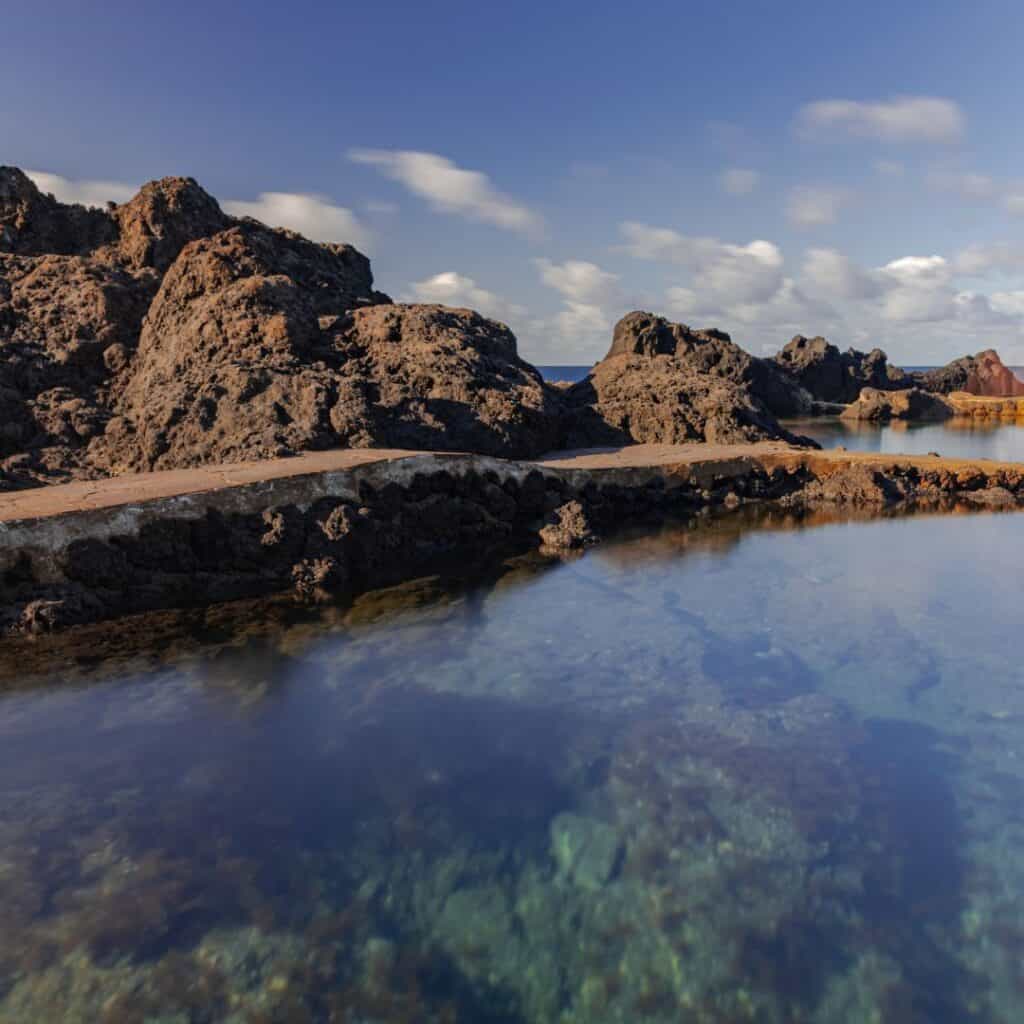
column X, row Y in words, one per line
column 851, row 170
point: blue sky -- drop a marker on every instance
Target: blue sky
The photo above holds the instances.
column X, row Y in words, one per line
column 851, row 170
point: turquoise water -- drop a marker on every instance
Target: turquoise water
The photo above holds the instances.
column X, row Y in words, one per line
column 954, row 438
column 754, row 770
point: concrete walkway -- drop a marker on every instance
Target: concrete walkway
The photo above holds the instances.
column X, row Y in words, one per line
column 141, row 488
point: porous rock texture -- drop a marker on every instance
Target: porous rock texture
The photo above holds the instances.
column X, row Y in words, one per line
column 833, row 376
column 910, row 404
column 163, row 333
column 982, row 374
column 663, row 383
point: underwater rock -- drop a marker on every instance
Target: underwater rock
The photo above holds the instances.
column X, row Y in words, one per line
column 586, row 850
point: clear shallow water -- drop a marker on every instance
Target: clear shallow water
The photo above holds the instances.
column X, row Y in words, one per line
column 954, row 438
column 735, row 773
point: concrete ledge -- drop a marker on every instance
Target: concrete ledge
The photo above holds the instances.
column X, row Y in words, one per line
column 344, row 521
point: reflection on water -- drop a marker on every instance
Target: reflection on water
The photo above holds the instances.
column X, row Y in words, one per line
column 957, row 438
column 727, row 773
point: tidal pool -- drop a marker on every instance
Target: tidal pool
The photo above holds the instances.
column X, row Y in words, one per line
column 759, row 769
column 958, row 438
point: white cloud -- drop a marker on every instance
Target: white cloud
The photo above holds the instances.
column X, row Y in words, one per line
column 314, row 216
column 450, row 288
column 450, row 188
column 578, row 280
column 738, row 181
column 978, row 259
column 87, row 193
column 723, row 273
column 582, row 321
column 1009, row 303
column 899, row 119
column 812, row 206
column 835, row 275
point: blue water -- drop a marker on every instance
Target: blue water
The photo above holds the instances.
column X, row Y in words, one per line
column 570, row 373
column 953, row 438
column 761, row 769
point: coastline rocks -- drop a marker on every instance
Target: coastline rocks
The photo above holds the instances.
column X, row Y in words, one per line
column 982, row 374
column 911, row 404
column 662, row 383
column 709, row 351
column 568, row 529
column 436, row 377
column 232, row 361
column 833, row 376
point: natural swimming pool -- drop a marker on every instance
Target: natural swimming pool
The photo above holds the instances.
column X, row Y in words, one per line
column 756, row 769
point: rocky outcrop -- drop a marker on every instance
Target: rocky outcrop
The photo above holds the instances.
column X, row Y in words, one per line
column 163, row 333
column 911, row 404
column 663, row 383
column 422, row 376
column 712, row 352
column 833, row 376
column 982, row 374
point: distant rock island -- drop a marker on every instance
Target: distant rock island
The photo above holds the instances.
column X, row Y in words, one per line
column 162, row 333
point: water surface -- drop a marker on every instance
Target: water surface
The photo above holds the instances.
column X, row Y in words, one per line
column 959, row 438
column 735, row 772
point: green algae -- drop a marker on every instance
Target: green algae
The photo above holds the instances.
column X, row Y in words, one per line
column 707, row 774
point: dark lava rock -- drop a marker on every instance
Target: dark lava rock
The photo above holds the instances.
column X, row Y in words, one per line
column 911, row 404
column 981, row 374
column 662, row 383
column 709, row 351
column 833, row 376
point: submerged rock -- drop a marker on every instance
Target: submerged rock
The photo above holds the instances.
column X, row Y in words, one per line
column 586, row 850
column 912, row 404
column 981, row 374
column 833, row 376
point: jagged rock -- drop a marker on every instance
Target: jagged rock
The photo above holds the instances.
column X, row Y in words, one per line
column 568, row 528
column 423, row 376
column 33, row 224
column 709, row 351
column 833, row 376
column 662, row 383
column 910, row 404
column 981, row 374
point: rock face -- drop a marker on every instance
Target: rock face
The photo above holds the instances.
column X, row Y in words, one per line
column 163, row 333
column 662, row 383
column 709, row 352
column 982, row 374
column 833, row 376
column 911, row 404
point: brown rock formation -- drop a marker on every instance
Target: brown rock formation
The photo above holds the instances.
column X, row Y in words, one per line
column 712, row 352
column 162, row 333
column 663, row 383
column 911, row 404
column 982, row 374
column 833, row 376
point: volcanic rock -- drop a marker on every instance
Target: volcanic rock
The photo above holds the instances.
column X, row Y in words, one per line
column 833, row 376
column 709, row 351
column 982, row 374
column 911, row 404
column 662, row 383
